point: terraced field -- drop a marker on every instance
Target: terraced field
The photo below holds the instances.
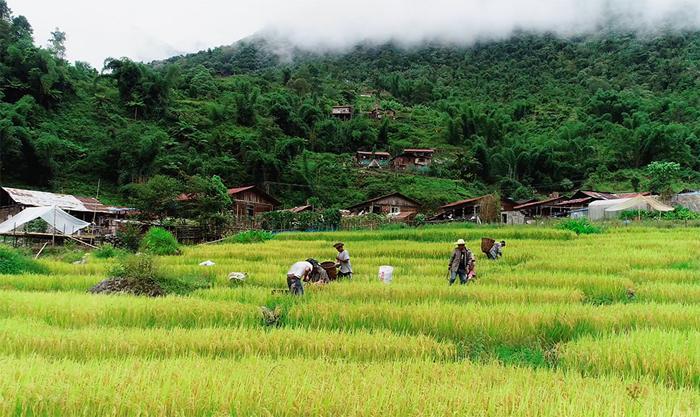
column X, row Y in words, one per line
column 564, row 325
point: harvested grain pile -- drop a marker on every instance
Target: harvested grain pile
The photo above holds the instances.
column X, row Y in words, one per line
column 143, row 287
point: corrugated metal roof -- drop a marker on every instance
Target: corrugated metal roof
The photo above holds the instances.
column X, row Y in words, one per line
column 374, row 153
column 233, row 191
column 459, row 203
column 575, row 201
column 419, row 150
column 418, row 204
column 66, row 202
column 43, row 199
column 301, row 209
column 538, row 203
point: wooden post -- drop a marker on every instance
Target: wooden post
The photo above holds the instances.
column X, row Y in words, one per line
column 53, row 228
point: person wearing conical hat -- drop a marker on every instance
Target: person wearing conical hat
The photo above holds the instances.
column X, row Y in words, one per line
column 462, row 263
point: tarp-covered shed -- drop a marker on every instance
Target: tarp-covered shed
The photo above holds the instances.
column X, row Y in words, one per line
column 58, row 219
column 690, row 200
column 608, row 209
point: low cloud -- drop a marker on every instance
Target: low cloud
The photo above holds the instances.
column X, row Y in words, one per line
column 156, row 29
column 329, row 25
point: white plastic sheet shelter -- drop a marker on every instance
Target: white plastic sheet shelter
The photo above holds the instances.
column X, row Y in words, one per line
column 58, row 219
column 596, row 210
column 607, row 209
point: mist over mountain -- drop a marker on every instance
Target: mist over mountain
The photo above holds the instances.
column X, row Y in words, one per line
column 530, row 110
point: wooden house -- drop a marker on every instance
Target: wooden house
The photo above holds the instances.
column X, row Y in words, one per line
column 478, row 209
column 372, row 159
column 395, row 205
column 413, row 159
column 250, row 201
column 247, row 202
column 342, row 112
column 543, row 208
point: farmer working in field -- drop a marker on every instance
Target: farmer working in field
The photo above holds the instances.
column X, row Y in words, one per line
column 297, row 273
column 343, row 261
column 496, row 250
column 462, row 263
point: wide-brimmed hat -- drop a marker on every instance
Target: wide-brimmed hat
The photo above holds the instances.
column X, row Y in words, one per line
column 339, row 244
column 460, row 242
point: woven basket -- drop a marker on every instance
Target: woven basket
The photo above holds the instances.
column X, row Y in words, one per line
column 486, row 244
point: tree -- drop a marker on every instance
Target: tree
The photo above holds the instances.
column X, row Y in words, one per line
column 57, row 43
column 156, row 198
column 662, row 177
column 209, row 201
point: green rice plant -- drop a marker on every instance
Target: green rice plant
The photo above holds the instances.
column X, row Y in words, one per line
column 24, row 337
column 668, row 357
column 48, row 282
column 597, row 289
column 250, row 236
column 362, row 292
column 14, row 262
column 580, row 226
column 107, row 251
column 158, row 241
column 480, row 327
column 303, row 387
column 78, row 310
column 663, row 292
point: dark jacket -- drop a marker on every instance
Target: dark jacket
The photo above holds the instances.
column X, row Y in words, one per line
column 454, row 260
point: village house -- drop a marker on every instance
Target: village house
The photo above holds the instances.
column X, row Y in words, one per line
column 250, row 201
column 342, row 112
column 380, row 114
column 104, row 218
column 396, row 205
column 477, row 209
column 372, row 159
column 543, row 208
column 413, row 159
column 247, row 202
column 508, row 213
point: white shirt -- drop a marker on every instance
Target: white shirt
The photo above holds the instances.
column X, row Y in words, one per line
column 300, row 269
column 344, row 261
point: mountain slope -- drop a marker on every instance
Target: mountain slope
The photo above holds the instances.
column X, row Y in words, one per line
column 533, row 113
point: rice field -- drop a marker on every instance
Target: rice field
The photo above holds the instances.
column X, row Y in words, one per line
column 563, row 325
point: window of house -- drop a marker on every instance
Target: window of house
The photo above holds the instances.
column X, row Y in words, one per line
column 250, row 210
column 395, row 210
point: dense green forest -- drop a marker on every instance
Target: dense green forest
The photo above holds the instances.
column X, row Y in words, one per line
column 532, row 114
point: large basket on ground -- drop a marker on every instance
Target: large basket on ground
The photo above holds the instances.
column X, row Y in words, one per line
column 331, row 270
column 486, row 244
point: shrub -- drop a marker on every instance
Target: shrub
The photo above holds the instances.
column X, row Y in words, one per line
column 680, row 213
column 393, row 226
column 137, row 267
column 144, row 269
column 158, row 241
column 106, row 251
column 129, row 238
column 250, row 236
column 579, row 226
column 13, row 262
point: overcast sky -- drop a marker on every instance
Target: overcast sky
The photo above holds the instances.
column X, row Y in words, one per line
column 146, row 30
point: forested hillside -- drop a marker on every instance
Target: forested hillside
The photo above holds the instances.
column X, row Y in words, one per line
column 532, row 114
